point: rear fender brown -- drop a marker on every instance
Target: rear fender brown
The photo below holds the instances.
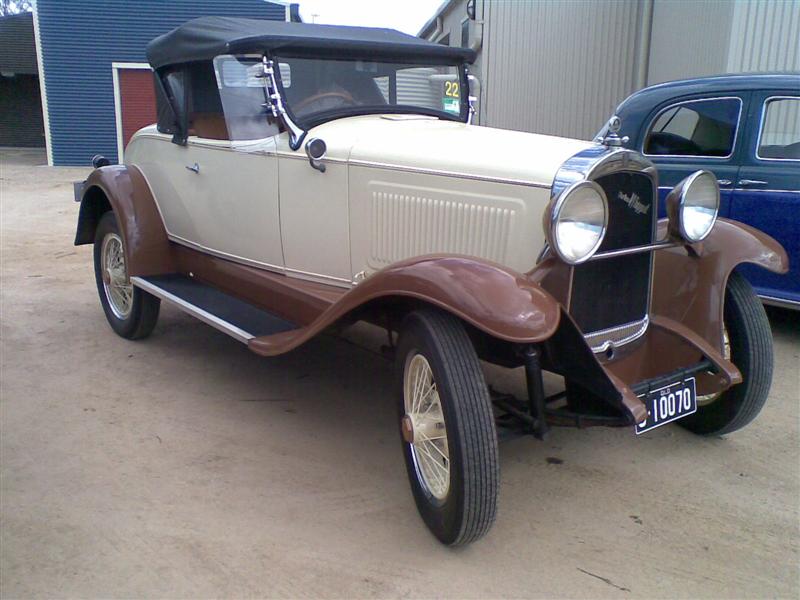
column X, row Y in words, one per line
column 495, row 300
column 689, row 288
column 125, row 190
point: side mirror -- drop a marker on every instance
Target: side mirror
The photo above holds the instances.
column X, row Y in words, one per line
column 315, row 150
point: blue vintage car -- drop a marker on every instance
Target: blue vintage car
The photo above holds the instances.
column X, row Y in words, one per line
column 746, row 130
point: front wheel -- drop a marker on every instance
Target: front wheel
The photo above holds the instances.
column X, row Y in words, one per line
column 447, row 426
column 748, row 344
column 131, row 312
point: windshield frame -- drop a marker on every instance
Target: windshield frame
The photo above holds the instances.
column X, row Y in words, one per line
column 318, row 118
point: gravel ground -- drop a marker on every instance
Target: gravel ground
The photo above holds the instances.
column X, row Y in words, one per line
column 185, row 466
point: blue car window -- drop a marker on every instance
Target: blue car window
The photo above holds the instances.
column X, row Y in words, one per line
column 704, row 127
column 779, row 138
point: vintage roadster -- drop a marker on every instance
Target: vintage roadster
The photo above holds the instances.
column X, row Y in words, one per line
column 303, row 177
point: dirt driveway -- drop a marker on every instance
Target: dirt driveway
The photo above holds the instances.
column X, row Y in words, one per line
column 184, row 466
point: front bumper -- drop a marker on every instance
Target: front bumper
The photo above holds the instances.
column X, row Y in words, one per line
column 667, row 352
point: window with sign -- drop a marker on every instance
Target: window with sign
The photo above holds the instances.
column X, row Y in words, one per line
column 323, row 89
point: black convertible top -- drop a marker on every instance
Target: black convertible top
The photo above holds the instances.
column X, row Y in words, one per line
column 207, row 37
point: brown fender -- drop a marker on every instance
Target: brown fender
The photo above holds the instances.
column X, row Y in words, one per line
column 494, row 299
column 125, row 190
column 690, row 289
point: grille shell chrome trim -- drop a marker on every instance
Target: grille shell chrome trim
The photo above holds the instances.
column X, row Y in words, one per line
column 617, row 336
column 592, row 164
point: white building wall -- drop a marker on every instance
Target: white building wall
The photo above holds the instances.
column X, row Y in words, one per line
column 690, row 38
column 558, row 67
column 562, row 66
column 765, row 36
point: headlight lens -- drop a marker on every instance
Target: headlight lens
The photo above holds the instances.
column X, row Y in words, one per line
column 697, row 199
column 578, row 222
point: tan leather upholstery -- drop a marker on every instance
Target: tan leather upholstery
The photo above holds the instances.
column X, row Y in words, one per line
column 209, row 125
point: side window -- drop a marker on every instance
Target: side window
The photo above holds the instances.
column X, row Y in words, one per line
column 697, row 128
column 779, row 138
column 205, row 108
column 242, row 91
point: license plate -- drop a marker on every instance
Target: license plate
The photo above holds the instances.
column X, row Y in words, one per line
column 668, row 404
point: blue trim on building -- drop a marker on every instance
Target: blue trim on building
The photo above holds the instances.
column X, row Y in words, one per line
column 79, row 41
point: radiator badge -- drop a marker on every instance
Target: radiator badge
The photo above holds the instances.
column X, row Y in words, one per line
column 640, row 208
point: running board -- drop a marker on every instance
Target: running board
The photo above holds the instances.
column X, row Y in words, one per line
column 237, row 318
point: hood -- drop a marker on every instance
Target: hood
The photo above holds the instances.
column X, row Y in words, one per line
column 429, row 144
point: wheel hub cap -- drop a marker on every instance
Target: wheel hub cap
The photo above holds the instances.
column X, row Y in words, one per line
column 423, row 427
column 117, row 287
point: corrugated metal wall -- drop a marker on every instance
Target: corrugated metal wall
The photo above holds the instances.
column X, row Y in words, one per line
column 562, row 66
column 689, row 38
column 79, row 41
column 557, row 67
column 765, row 36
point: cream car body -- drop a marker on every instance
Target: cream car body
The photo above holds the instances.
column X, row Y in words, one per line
column 480, row 191
column 304, row 177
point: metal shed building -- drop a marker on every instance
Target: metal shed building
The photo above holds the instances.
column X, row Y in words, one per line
column 20, row 109
column 561, row 68
column 97, row 88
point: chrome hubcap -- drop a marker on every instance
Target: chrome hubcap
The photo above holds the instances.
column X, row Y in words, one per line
column 117, row 287
column 424, row 428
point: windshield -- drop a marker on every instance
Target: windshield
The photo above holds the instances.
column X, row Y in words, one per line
column 317, row 90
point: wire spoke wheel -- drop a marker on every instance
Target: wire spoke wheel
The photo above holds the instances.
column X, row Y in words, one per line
column 424, row 427
column 118, row 289
column 131, row 312
column 447, row 427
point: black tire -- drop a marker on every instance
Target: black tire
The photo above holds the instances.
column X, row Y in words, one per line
column 750, row 339
column 467, row 511
column 143, row 315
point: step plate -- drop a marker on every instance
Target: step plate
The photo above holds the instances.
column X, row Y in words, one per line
column 237, row 318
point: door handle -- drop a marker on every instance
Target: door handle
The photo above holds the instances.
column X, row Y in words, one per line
column 752, row 182
column 724, row 182
column 195, row 168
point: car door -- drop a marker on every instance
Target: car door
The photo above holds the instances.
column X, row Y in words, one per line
column 218, row 193
column 767, row 193
column 233, row 200
column 690, row 133
column 314, row 210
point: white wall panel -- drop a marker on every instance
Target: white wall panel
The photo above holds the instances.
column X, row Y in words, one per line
column 557, row 67
column 765, row 36
column 690, row 38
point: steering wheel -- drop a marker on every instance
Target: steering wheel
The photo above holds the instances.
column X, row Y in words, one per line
column 323, row 95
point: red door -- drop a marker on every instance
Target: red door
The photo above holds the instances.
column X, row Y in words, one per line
column 137, row 101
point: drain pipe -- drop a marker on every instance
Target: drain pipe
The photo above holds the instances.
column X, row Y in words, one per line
column 643, row 41
column 436, row 32
column 478, row 41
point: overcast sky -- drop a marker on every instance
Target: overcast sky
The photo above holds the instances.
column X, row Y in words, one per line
column 405, row 15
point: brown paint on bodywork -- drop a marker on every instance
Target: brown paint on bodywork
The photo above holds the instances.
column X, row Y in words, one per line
column 685, row 320
column 147, row 249
column 691, row 289
column 496, row 300
column 296, row 300
column 687, row 303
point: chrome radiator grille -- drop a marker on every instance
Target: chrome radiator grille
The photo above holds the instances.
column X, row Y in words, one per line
column 610, row 296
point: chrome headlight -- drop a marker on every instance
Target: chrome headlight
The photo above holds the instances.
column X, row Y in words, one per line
column 693, row 206
column 578, row 222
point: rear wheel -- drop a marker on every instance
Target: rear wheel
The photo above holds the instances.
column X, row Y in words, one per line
column 131, row 312
column 748, row 341
column 447, row 426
